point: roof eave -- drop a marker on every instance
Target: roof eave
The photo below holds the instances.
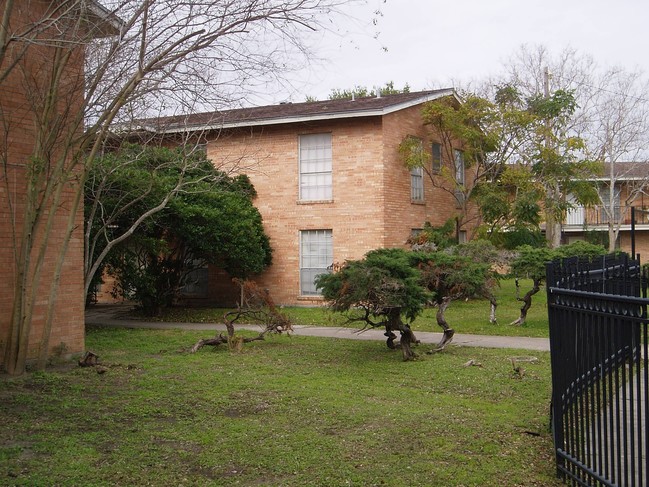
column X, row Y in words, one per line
column 108, row 23
column 206, row 127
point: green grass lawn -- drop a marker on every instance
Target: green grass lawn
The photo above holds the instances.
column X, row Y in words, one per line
column 287, row 411
column 470, row 316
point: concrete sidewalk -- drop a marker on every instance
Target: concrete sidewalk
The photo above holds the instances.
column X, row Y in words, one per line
column 118, row 315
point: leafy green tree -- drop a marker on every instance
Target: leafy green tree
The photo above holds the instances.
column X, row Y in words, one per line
column 478, row 139
column 435, row 238
column 521, row 166
column 611, row 117
column 391, row 287
column 213, row 223
column 557, row 162
column 450, row 277
column 130, row 185
column 485, row 252
column 530, row 263
column 364, row 91
column 385, row 287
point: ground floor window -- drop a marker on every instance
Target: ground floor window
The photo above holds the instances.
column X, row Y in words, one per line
column 195, row 283
column 316, row 257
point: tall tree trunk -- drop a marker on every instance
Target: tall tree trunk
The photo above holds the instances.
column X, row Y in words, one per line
column 612, row 234
column 553, row 232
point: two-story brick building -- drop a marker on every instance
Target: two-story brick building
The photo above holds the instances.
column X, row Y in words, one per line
column 330, row 181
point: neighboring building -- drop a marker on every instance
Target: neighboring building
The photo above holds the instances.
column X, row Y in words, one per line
column 594, row 222
column 330, row 181
column 21, row 92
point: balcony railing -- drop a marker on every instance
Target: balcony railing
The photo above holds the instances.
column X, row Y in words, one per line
column 598, row 215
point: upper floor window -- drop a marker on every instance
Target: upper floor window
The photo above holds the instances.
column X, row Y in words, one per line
column 415, row 157
column 459, row 177
column 436, row 150
column 610, row 209
column 417, row 184
column 459, row 167
column 315, row 167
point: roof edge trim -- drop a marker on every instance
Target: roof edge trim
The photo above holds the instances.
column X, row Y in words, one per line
column 311, row 118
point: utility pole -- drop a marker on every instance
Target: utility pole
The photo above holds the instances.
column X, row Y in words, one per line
column 546, row 82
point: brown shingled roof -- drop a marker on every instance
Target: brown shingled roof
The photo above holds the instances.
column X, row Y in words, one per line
column 293, row 112
column 627, row 170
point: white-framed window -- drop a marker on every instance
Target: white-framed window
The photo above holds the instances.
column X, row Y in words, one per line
column 606, row 211
column 436, row 151
column 459, row 177
column 315, row 167
column 416, row 158
column 417, row 184
column 316, row 257
column 459, row 167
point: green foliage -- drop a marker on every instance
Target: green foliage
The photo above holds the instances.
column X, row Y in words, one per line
column 580, row 248
column 560, row 105
column 454, row 276
column 532, row 133
column 411, row 151
column 465, row 123
column 363, row 91
column 435, row 238
column 491, row 135
column 213, row 221
column 222, row 227
column 494, row 201
column 383, row 281
column 396, row 279
column 531, row 261
column 519, row 235
column 480, row 250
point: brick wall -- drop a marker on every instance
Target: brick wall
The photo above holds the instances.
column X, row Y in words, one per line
column 641, row 244
column 402, row 215
column 355, row 216
column 16, row 146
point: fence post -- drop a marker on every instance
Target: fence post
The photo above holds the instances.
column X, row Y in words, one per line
column 556, row 415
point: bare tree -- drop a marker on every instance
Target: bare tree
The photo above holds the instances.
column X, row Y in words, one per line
column 611, row 117
column 142, row 58
column 618, row 134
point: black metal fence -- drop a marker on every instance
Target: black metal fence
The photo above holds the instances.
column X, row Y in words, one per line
column 599, row 349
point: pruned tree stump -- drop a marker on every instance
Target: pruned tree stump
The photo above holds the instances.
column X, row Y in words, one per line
column 257, row 307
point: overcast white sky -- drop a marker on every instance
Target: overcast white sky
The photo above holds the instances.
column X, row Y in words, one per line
column 431, row 42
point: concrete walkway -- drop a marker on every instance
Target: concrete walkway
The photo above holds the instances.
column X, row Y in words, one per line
column 118, row 315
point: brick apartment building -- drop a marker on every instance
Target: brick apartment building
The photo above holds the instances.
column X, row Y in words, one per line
column 22, row 92
column 330, row 181
column 629, row 190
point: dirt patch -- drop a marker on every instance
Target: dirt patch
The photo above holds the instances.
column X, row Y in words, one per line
column 246, row 403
